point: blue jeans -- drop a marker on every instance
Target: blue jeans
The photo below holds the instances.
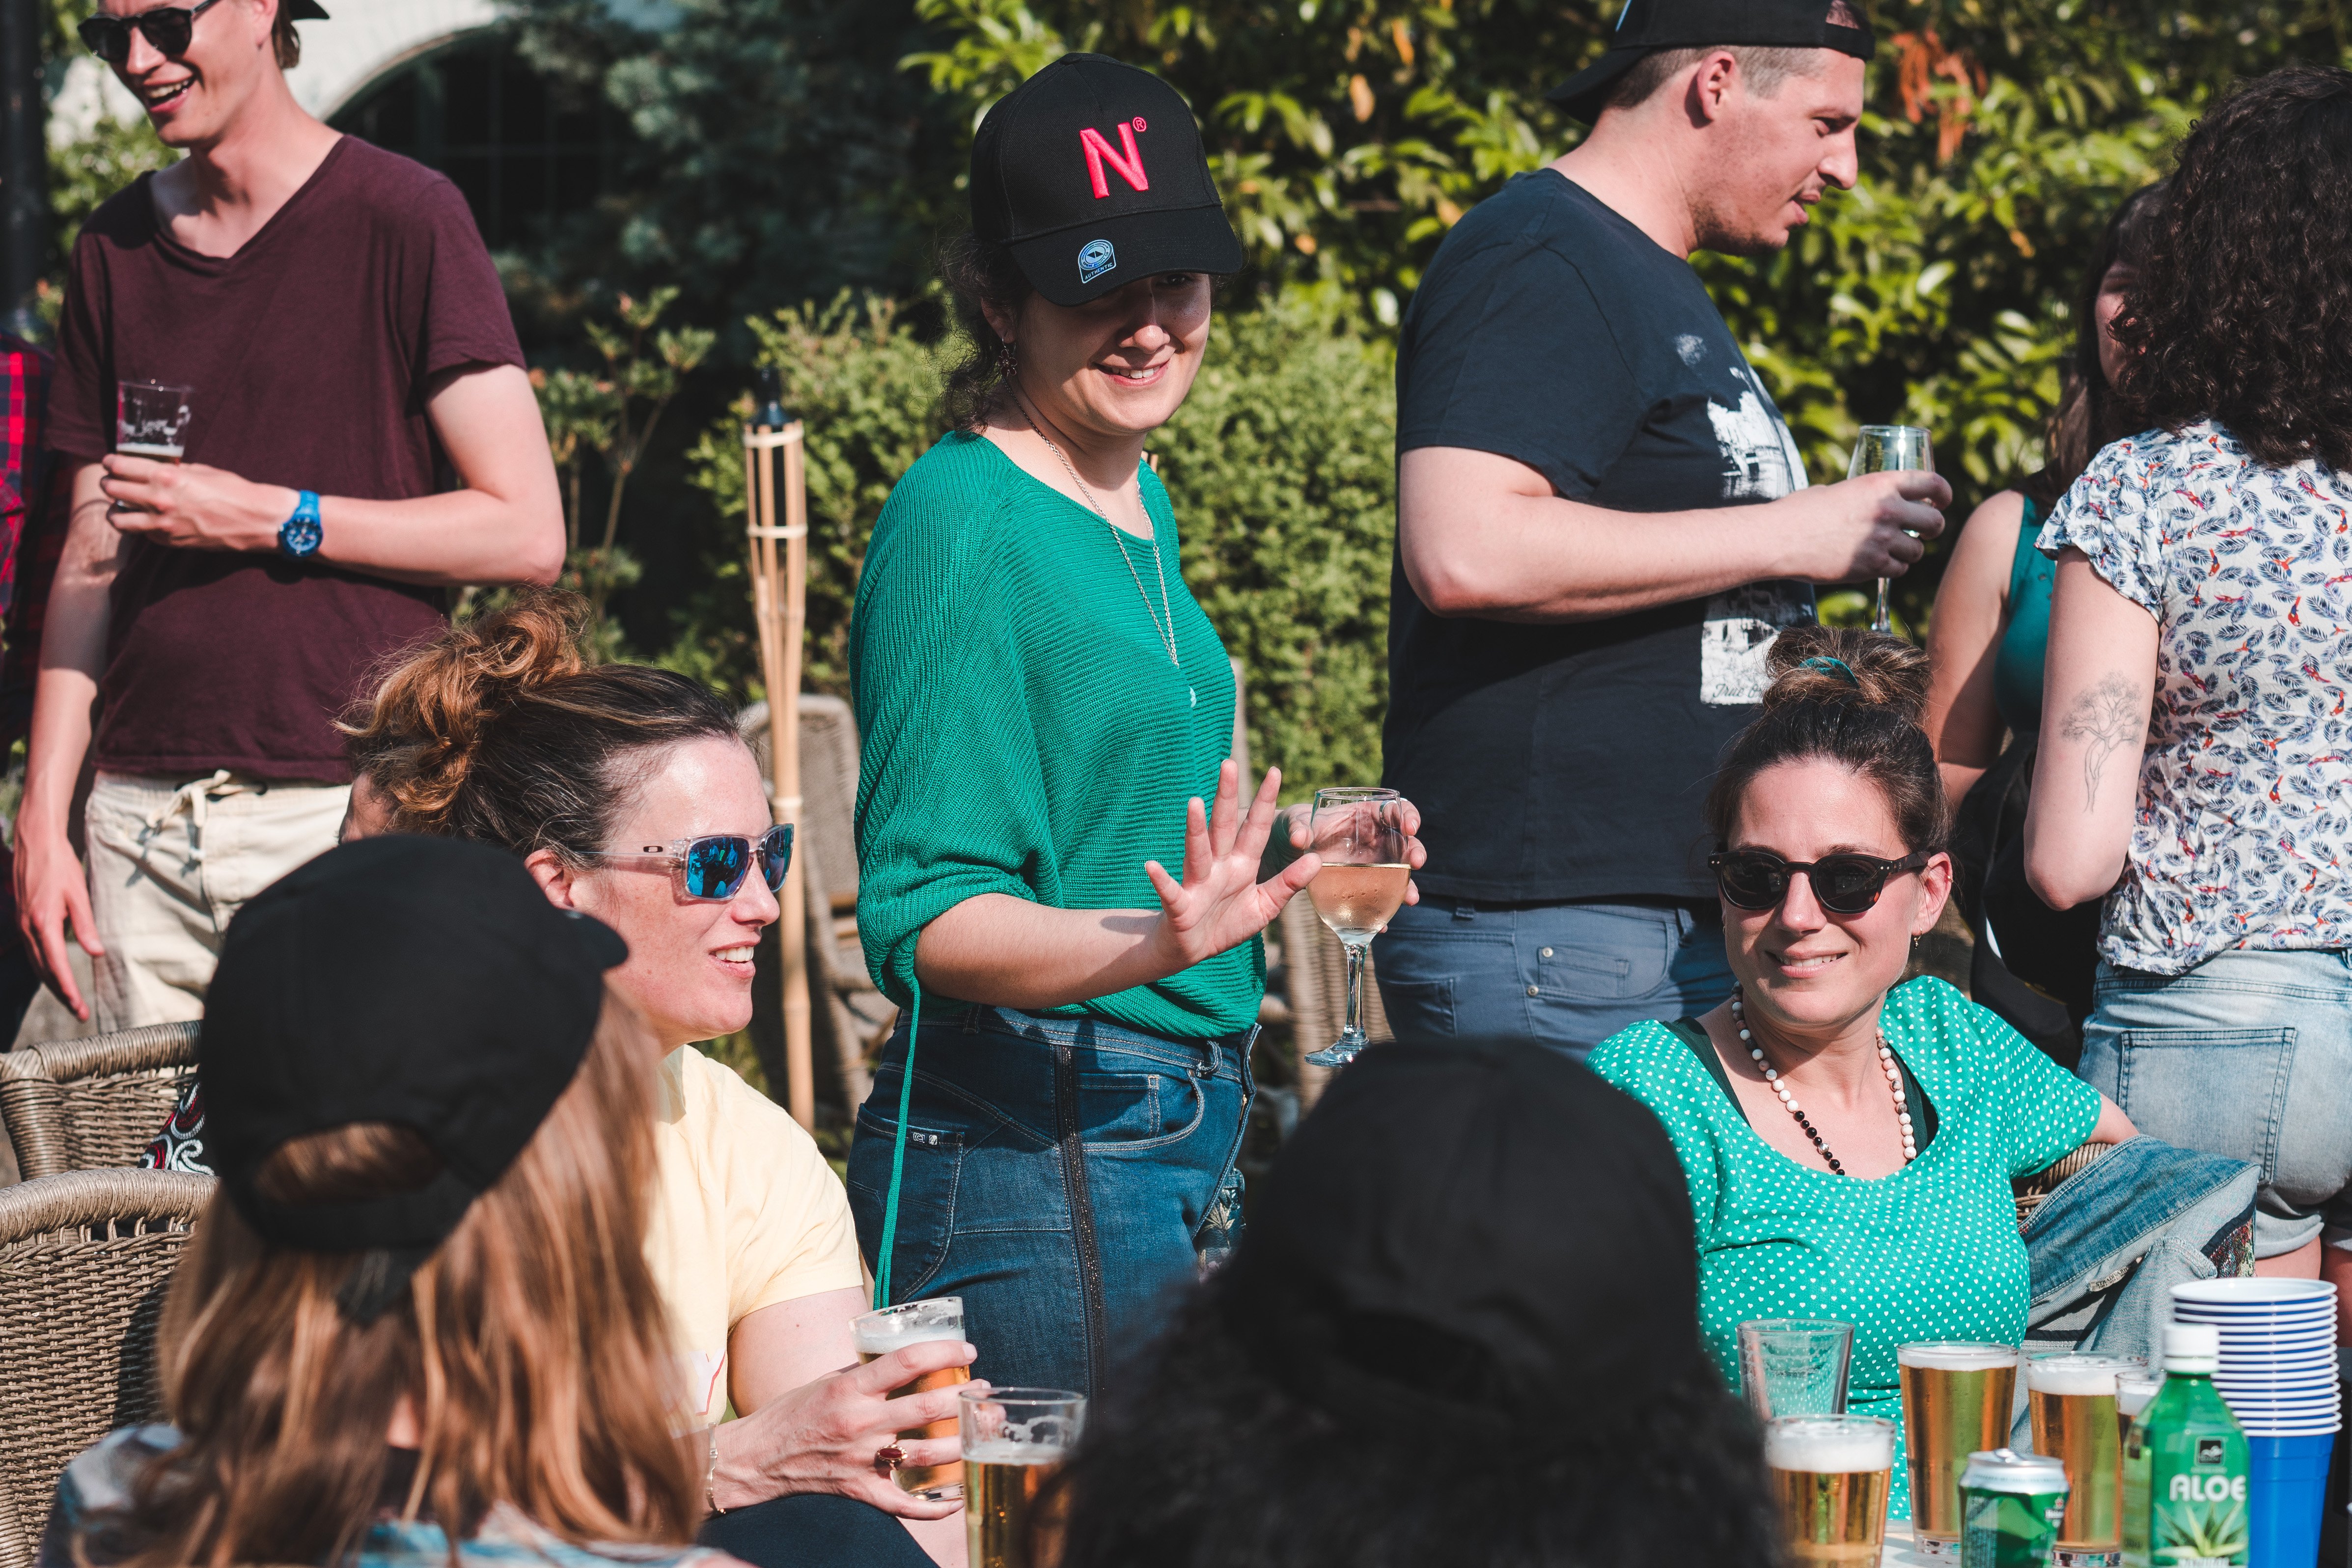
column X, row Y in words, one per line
column 2248, row 1056
column 1567, row 975
column 1062, row 1177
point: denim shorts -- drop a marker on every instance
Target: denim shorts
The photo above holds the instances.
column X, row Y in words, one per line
column 1566, row 974
column 1063, row 1176
column 2248, row 1055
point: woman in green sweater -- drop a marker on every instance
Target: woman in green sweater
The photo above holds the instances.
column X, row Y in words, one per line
column 1849, row 1140
column 1043, row 707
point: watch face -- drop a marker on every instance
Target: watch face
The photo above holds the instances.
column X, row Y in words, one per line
column 299, row 536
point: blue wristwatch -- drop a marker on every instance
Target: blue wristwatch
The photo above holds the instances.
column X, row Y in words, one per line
column 298, row 535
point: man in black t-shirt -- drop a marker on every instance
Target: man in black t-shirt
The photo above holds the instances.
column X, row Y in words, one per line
column 1603, row 523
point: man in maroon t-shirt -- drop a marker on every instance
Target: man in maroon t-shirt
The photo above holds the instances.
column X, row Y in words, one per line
column 359, row 437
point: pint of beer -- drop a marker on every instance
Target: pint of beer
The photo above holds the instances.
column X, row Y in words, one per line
column 1831, row 1478
column 1955, row 1402
column 918, row 1322
column 1015, row 1441
column 2074, row 1400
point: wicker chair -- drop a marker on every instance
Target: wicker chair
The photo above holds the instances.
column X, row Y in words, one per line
column 95, row 1104
column 84, row 1258
column 1318, row 966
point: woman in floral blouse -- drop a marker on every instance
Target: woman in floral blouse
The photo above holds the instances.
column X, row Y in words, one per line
column 2196, row 761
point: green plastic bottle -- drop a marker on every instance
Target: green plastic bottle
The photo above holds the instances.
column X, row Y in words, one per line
column 2185, row 1464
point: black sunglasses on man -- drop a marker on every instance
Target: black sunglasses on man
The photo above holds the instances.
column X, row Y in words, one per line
column 168, row 27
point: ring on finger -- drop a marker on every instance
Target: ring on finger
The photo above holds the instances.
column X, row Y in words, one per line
column 887, row 1458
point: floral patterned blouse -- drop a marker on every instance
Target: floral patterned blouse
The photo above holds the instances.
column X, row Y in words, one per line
column 2244, row 825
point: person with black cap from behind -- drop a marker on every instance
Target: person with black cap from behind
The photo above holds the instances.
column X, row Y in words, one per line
column 1463, row 1329
column 1602, row 521
column 417, row 1326
column 1052, row 1132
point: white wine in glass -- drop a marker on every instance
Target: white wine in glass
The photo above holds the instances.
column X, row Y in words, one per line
column 1884, row 449
column 1360, row 833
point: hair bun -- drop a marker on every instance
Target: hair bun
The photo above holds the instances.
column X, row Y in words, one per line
column 1842, row 664
column 416, row 737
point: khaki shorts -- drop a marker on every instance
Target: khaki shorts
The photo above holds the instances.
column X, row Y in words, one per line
column 170, row 863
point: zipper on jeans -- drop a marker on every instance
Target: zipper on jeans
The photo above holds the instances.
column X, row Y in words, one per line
column 1082, row 1214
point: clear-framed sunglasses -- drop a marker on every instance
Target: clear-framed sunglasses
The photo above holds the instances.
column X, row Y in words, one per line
column 711, row 869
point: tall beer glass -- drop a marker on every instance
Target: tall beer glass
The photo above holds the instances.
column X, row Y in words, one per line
column 895, row 1328
column 1015, row 1441
column 2072, row 1399
column 1955, row 1402
column 1830, row 1478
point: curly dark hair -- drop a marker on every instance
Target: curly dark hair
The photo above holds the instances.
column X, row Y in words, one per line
column 979, row 273
column 2092, row 412
column 2243, row 312
column 1203, row 1461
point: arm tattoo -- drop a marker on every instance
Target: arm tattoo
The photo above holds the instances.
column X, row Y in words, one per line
column 2103, row 719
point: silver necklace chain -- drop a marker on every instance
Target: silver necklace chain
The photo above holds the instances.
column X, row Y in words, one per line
column 1166, row 633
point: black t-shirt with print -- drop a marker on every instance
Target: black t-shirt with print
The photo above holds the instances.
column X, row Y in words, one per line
column 1569, row 761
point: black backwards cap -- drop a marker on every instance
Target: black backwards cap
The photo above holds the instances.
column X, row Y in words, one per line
column 1466, row 1231
column 1093, row 173
column 1646, row 26
column 423, row 982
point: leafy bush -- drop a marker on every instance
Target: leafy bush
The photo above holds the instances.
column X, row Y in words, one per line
column 1279, row 466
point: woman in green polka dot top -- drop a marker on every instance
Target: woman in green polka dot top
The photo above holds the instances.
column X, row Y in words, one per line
column 1849, row 1142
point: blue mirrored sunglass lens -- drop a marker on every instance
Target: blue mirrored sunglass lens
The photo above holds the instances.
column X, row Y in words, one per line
column 715, row 867
column 776, row 855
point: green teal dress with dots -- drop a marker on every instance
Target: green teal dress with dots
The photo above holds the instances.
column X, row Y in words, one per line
column 1929, row 1252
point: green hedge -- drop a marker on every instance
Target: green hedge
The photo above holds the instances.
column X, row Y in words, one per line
column 1278, row 466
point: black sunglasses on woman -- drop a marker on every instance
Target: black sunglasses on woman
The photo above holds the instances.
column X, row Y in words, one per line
column 1842, row 885
column 168, row 27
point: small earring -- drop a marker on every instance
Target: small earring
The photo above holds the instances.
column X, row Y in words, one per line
column 1008, row 364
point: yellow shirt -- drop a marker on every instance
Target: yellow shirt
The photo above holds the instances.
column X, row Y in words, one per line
column 746, row 1214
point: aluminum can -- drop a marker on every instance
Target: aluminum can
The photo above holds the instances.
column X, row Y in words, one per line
column 2011, row 1507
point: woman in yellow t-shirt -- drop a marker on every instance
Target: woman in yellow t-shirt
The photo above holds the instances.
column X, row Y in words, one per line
column 632, row 797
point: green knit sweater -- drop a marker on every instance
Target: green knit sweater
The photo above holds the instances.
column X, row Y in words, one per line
column 1024, row 732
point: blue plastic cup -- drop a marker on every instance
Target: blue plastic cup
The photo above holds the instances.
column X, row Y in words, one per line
column 2285, row 1489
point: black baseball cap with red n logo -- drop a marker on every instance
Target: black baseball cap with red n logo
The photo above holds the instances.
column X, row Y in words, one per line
column 1092, row 173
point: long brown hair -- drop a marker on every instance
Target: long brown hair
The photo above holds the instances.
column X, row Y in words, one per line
column 2094, row 412
column 533, row 1348
column 502, row 731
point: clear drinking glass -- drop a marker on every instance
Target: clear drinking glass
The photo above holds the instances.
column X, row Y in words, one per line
column 151, row 420
column 877, row 1334
column 1360, row 833
column 1015, row 1441
column 1884, row 449
column 1795, row 1367
column 2075, row 1402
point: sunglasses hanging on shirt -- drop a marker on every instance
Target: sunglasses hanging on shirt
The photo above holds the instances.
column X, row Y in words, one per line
column 1842, row 885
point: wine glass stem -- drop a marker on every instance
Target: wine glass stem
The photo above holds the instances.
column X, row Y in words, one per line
column 1355, row 1027
column 1880, row 620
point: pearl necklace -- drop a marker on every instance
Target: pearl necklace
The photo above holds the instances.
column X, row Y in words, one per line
column 1772, row 1081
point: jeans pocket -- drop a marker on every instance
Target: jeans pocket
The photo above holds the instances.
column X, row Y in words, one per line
column 1122, row 1112
column 1633, row 967
column 1417, row 1008
column 2221, row 1091
column 926, row 1194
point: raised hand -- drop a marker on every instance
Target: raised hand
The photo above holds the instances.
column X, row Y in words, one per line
column 1220, row 903
column 823, row 1438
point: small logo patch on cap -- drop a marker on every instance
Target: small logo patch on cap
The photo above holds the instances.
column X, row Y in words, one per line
column 1094, row 258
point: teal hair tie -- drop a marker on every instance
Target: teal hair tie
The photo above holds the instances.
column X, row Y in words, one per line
column 1828, row 665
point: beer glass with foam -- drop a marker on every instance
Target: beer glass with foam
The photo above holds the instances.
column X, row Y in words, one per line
column 895, row 1328
column 1955, row 1402
column 2073, row 1399
column 1830, row 1478
column 1015, row 1441
column 2134, row 1390
column 151, row 421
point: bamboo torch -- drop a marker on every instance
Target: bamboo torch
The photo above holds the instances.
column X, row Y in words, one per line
column 773, row 473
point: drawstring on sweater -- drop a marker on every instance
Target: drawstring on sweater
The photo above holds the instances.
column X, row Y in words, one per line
column 898, row 1153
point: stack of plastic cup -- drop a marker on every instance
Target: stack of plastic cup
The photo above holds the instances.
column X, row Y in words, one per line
column 2278, row 1375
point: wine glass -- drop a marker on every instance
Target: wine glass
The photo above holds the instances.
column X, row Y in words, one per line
column 1360, row 833
column 1882, row 449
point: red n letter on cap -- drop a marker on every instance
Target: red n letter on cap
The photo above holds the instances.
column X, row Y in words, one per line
column 1098, row 152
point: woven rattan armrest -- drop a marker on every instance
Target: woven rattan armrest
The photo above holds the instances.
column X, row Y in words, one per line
column 79, row 1198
